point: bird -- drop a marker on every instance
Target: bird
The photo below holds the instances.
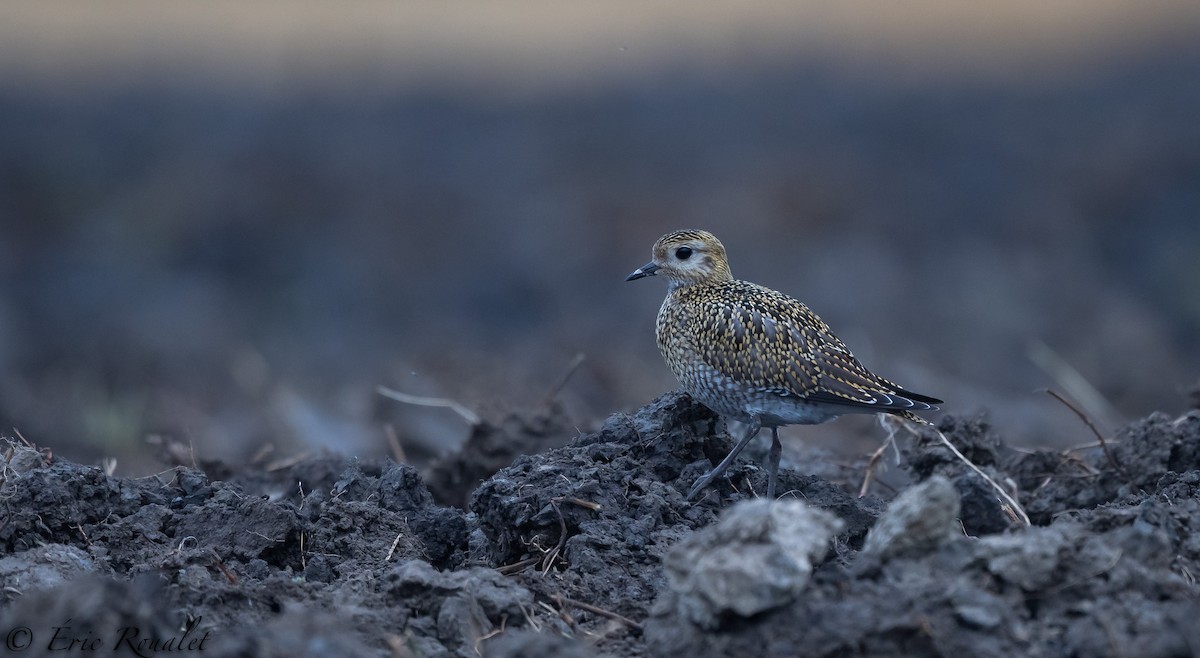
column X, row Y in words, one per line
column 756, row 355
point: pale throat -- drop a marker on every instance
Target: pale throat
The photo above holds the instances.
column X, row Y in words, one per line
column 712, row 271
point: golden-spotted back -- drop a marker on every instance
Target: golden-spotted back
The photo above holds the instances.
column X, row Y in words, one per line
column 755, row 354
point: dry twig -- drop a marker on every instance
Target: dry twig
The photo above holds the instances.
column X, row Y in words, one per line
column 562, row 380
column 530, row 619
column 576, row 501
column 1071, row 380
column 869, row 476
column 562, row 611
column 1011, row 503
column 470, row 416
column 609, row 614
column 394, row 444
column 27, row 442
column 220, row 565
column 517, row 567
column 392, row 550
column 492, row 634
column 261, row 454
column 287, row 462
column 887, row 422
column 548, row 562
column 1112, row 461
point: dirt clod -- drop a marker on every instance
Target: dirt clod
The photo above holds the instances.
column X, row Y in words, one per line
column 491, row 447
column 759, row 556
column 921, row 518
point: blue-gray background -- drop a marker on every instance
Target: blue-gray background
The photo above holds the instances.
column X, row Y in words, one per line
column 229, row 224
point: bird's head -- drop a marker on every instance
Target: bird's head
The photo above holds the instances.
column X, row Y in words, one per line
column 686, row 258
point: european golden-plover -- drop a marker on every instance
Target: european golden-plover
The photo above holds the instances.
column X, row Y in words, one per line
column 756, row 355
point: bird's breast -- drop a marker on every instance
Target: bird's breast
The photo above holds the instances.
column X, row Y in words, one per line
column 674, row 339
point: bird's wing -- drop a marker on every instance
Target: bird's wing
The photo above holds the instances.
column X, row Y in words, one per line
column 765, row 338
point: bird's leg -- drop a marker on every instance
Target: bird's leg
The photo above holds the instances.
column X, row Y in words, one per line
column 773, row 463
column 752, row 428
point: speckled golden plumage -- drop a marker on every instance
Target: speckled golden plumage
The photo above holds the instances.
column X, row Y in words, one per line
column 757, row 355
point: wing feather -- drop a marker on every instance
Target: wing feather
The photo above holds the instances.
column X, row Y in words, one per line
column 765, row 338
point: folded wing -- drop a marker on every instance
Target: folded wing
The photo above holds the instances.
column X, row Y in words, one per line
column 774, row 342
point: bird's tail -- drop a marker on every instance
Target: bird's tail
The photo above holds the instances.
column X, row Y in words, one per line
column 908, row 415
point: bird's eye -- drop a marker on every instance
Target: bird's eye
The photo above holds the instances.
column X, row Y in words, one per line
column 683, row 253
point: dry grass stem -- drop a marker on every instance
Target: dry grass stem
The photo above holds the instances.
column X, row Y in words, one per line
column 1011, row 504
column 220, row 565
column 470, row 416
column 869, row 476
column 392, row 550
column 517, row 567
column 563, row 379
column 1112, row 461
column 562, row 612
column 27, row 442
column 262, row 453
column 493, row 633
column 288, row 462
column 576, row 501
column 889, row 424
column 1071, row 381
column 394, row 444
column 600, row 611
column 562, row 540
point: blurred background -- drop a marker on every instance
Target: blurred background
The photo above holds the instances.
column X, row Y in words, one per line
column 227, row 223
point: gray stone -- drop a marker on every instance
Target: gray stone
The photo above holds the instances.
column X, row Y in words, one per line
column 920, row 519
column 757, row 557
column 44, row 567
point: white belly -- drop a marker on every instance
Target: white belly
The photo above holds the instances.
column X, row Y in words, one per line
column 741, row 401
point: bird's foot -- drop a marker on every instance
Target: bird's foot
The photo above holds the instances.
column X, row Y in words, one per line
column 711, row 476
column 702, row 483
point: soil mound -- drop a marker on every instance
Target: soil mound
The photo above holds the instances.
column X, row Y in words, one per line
column 590, row 549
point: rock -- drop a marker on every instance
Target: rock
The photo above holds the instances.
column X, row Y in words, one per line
column 759, row 556
column 418, row 585
column 43, row 567
column 1029, row 559
column 920, row 519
